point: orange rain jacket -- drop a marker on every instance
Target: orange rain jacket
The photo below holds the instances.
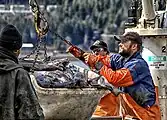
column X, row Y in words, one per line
column 133, row 77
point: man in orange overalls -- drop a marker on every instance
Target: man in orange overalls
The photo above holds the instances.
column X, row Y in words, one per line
column 129, row 72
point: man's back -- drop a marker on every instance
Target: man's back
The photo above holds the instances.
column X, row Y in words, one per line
column 17, row 96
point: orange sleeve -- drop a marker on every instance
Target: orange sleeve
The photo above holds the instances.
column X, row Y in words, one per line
column 106, row 60
column 119, row 78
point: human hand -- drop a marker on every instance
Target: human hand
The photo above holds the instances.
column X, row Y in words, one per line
column 74, row 51
column 90, row 59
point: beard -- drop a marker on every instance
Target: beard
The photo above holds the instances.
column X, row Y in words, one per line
column 125, row 53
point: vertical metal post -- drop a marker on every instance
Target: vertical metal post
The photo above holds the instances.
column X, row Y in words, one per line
column 148, row 9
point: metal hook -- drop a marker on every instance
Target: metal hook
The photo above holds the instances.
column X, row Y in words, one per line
column 41, row 24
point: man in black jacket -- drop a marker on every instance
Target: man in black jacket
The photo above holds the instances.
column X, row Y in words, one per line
column 18, row 99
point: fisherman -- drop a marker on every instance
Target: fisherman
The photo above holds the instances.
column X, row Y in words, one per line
column 99, row 48
column 18, row 99
column 129, row 72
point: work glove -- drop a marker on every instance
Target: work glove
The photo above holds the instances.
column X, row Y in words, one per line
column 93, row 60
column 102, row 81
column 76, row 52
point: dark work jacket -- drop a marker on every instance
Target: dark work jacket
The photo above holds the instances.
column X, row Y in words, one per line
column 142, row 89
column 18, row 99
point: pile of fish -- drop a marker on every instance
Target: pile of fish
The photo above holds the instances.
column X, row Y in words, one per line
column 60, row 73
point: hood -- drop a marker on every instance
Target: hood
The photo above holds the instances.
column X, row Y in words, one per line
column 8, row 61
column 8, row 65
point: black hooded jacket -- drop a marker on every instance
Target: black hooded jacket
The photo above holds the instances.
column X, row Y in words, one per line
column 18, row 99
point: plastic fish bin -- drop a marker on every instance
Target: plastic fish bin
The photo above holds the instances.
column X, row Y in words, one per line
column 68, row 103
